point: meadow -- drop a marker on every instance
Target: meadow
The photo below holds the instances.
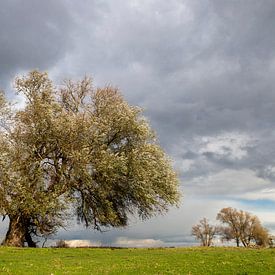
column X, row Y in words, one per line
column 197, row 260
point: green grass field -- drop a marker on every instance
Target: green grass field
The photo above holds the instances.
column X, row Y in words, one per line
column 137, row 261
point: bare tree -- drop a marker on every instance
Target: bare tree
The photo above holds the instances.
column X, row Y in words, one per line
column 242, row 227
column 204, row 232
column 261, row 236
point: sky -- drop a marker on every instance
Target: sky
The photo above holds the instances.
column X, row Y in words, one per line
column 203, row 71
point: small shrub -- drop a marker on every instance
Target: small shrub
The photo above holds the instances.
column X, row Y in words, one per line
column 61, row 244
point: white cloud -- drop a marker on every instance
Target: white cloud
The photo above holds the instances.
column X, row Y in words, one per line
column 228, row 145
column 125, row 242
column 264, row 194
column 184, row 165
column 270, row 170
column 230, row 183
column 265, row 216
column 82, row 243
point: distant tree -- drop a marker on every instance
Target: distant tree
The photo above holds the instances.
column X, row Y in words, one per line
column 204, row 232
column 271, row 240
column 61, row 244
column 261, row 236
column 242, row 227
column 77, row 150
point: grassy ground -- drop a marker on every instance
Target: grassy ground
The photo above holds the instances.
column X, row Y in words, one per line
column 137, row 261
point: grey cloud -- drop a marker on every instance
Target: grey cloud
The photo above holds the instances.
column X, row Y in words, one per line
column 33, row 34
column 179, row 62
column 248, row 26
column 169, row 228
column 198, row 68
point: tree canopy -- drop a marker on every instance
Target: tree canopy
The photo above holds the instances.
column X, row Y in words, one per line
column 77, row 150
column 242, row 227
column 204, row 232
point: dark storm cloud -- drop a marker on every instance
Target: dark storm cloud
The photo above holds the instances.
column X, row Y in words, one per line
column 198, row 67
column 33, row 34
column 202, row 70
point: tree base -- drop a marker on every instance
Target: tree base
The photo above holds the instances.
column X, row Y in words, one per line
column 17, row 234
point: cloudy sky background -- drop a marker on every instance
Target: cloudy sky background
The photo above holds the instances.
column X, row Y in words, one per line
column 202, row 70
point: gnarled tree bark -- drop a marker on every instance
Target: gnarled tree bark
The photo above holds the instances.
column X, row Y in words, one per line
column 18, row 232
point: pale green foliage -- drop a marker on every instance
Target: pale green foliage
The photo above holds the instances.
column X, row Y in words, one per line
column 85, row 149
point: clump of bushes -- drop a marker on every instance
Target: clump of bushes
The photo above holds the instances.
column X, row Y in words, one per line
column 61, row 244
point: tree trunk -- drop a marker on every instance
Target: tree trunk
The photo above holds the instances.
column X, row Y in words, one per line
column 18, row 233
column 238, row 242
column 245, row 244
column 29, row 240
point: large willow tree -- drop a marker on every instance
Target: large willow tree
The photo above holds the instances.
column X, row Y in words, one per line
column 77, row 150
